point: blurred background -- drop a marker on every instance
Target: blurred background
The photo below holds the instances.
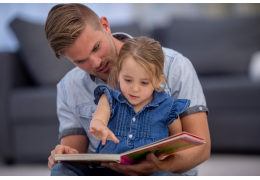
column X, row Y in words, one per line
column 221, row 40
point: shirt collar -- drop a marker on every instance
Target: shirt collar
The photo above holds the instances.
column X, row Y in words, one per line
column 158, row 97
column 121, row 36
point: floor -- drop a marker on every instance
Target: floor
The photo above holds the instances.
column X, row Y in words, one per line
column 216, row 165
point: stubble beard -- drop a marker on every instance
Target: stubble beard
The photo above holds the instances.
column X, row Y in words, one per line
column 112, row 62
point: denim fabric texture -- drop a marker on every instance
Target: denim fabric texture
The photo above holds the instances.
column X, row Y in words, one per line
column 138, row 129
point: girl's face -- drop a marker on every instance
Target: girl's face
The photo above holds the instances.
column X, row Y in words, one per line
column 135, row 83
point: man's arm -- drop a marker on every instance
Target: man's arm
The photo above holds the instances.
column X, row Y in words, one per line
column 179, row 162
column 78, row 142
column 183, row 161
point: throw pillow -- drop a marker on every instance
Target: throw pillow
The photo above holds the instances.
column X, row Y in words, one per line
column 38, row 57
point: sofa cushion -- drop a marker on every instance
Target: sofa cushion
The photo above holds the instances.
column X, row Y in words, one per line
column 33, row 105
column 38, row 57
column 33, row 143
column 233, row 118
column 230, row 91
column 213, row 46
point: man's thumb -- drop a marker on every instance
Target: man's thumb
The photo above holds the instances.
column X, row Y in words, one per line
column 69, row 150
column 73, row 151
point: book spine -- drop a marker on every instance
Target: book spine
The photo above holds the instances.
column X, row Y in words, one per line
column 127, row 161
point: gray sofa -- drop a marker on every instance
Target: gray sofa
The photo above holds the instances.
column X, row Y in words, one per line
column 219, row 50
column 28, row 120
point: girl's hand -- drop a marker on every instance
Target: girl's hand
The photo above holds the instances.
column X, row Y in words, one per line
column 103, row 134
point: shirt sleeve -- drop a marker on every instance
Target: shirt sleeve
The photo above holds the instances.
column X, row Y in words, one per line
column 69, row 125
column 178, row 106
column 183, row 83
column 99, row 91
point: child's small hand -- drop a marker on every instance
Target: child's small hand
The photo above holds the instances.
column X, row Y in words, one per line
column 103, row 134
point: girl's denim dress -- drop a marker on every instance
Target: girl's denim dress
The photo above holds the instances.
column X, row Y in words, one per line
column 137, row 129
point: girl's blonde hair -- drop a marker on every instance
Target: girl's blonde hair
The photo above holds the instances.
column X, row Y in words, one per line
column 145, row 51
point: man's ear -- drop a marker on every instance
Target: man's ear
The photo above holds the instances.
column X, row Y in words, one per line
column 105, row 25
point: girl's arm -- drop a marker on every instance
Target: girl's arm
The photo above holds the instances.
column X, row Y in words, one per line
column 98, row 125
column 175, row 127
column 102, row 113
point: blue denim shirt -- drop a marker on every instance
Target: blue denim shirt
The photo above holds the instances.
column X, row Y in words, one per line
column 75, row 93
column 138, row 129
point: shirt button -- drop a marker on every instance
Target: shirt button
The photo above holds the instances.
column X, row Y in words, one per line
column 133, row 119
column 200, row 108
column 130, row 135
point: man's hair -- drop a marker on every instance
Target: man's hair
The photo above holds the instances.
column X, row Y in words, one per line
column 145, row 51
column 64, row 24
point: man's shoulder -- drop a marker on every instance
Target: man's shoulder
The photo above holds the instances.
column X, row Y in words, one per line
column 174, row 57
column 170, row 52
column 73, row 76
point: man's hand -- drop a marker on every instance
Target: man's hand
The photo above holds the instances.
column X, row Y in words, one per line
column 146, row 167
column 60, row 149
column 103, row 133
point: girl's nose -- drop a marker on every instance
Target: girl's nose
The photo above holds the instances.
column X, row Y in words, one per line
column 135, row 87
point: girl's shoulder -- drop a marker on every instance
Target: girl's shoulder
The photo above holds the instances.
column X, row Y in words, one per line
column 112, row 94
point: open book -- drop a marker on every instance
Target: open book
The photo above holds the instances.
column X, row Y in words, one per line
column 161, row 149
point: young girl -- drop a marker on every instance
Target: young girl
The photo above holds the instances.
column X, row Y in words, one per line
column 138, row 111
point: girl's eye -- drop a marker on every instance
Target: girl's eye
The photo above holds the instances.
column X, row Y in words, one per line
column 145, row 83
column 127, row 80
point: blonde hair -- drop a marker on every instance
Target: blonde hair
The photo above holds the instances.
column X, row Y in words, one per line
column 64, row 24
column 145, row 51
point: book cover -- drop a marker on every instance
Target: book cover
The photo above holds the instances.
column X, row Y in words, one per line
column 161, row 148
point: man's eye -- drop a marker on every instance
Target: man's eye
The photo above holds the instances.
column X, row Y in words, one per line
column 78, row 62
column 96, row 48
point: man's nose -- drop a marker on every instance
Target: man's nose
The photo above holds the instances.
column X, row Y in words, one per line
column 95, row 61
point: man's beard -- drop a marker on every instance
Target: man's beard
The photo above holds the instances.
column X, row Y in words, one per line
column 111, row 60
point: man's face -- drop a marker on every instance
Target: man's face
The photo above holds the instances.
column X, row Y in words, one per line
column 93, row 52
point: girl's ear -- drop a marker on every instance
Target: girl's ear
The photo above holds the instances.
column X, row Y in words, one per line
column 160, row 80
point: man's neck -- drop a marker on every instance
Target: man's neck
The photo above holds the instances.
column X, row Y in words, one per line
column 118, row 44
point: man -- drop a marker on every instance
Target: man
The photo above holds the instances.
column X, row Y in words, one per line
column 75, row 31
